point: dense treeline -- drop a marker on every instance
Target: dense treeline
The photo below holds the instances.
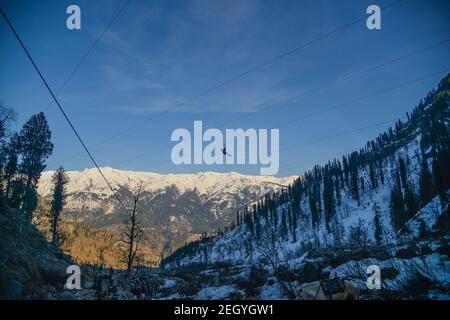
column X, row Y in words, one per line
column 362, row 172
column 323, row 185
column 22, row 160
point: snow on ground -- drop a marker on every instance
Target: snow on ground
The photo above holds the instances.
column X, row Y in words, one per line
column 222, row 293
column 236, row 247
column 427, row 216
column 271, row 292
column 168, row 283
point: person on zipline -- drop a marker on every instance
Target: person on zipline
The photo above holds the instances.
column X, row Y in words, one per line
column 224, row 151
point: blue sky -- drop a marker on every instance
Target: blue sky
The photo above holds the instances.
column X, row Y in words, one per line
column 159, row 53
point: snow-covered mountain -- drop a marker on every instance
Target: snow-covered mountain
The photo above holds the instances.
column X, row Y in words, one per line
column 174, row 207
column 206, row 183
column 385, row 204
column 353, row 222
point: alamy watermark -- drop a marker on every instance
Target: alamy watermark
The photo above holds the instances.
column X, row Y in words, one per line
column 373, row 22
column 74, row 280
column 73, row 21
column 237, row 146
column 373, row 277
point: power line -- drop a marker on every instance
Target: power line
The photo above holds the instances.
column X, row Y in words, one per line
column 60, row 107
column 141, row 155
column 360, row 99
column 344, row 104
column 377, row 93
column 88, row 51
column 337, row 135
column 315, row 160
column 293, row 146
column 236, row 77
column 302, row 94
column 338, row 81
column 341, row 105
column 318, row 140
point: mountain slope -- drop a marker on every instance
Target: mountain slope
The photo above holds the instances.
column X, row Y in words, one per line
column 175, row 208
column 30, row 267
column 392, row 192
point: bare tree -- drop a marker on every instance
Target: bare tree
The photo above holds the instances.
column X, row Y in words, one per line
column 133, row 232
column 269, row 248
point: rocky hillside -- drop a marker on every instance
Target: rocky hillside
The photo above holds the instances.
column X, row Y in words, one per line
column 30, row 267
column 33, row 269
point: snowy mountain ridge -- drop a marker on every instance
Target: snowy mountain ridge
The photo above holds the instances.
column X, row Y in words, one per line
column 237, row 246
column 174, row 207
column 204, row 182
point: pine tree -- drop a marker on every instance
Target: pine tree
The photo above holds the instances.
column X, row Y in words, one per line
column 248, row 219
column 381, row 171
column 354, row 181
column 378, row 227
column 426, row 184
column 337, row 189
column 284, row 228
column 411, row 205
column 328, row 199
column 17, row 192
column 294, row 226
column 441, row 175
column 59, row 180
column 7, row 116
column 35, row 147
column 29, row 202
column 256, row 220
column 397, row 208
column 403, row 172
column 319, row 200
column 275, row 216
column 363, row 188
column 345, row 169
column 373, row 179
column 315, row 218
column 12, row 151
column 289, row 218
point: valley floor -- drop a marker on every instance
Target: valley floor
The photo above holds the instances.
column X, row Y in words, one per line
column 414, row 270
column 31, row 268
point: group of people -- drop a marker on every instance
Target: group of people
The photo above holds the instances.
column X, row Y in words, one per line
column 142, row 289
column 106, row 285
